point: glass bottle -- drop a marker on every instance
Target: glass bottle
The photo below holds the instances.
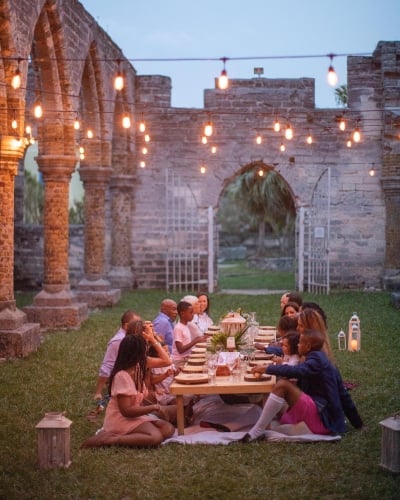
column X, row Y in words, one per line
column 341, row 340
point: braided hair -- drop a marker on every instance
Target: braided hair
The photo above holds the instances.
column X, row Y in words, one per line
column 132, row 352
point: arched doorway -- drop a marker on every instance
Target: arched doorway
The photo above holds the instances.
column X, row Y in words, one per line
column 256, row 222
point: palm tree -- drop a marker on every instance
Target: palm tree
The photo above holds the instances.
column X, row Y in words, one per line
column 269, row 200
column 341, row 96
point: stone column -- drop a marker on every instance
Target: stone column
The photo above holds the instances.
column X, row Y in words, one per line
column 17, row 336
column 121, row 256
column 94, row 288
column 55, row 306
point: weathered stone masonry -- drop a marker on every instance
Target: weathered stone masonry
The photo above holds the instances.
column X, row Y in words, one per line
column 125, row 237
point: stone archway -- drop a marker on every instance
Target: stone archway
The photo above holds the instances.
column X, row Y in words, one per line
column 255, row 199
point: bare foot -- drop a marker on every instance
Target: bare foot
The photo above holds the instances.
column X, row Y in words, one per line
column 102, row 438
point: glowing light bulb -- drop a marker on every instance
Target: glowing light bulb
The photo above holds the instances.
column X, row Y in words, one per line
column 349, row 143
column 38, row 111
column 77, row 124
column 203, row 169
column 332, row 77
column 126, row 121
column 82, row 156
column 372, row 171
column 81, row 150
column 89, row 134
column 223, row 81
column 119, row 81
column 309, row 139
column 142, row 126
column 144, row 150
column 282, row 147
column 261, row 172
column 208, row 129
column 28, row 129
column 342, row 124
column 146, row 138
column 14, row 124
column 289, row 133
column 213, row 149
column 204, row 140
column 356, row 135
column 258, row 139
column 142, row 164
column 277, row 125
column 16, row 80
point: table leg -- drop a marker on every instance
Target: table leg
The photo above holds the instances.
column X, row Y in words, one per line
column 180, row 416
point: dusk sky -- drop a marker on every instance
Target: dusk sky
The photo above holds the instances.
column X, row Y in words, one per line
column 256, row 30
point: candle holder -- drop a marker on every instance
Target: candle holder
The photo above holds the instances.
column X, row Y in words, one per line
column 390, row 443
column 354, row 334
column 54, row 441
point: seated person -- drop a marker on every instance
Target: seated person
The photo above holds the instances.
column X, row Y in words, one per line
column 164, row 322
column 127, row 422
column 203, row 317
column 290, row 350
column 193, row 325
column 183, row 341
column 285, row 325
column 319, row 399
column 290, row 309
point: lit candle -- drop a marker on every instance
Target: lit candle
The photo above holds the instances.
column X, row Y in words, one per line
column 353, row 345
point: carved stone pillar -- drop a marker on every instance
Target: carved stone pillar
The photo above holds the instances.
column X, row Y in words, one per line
column 56, row 306
column 121, row 256
column 94, row 288
column 17, row 336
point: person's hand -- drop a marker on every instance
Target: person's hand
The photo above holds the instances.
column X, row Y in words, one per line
column 98, row 396
column 259, row 346
column 202, row 338
column 278, row 360
column 258, row 369
column 148, row 332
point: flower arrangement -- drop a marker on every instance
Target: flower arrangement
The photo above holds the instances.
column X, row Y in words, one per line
column 234, row 324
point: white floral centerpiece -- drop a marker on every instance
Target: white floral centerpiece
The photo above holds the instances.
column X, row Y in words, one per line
column 234, row 324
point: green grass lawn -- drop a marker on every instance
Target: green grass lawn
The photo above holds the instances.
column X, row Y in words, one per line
column 61, row 376
column 236, row 275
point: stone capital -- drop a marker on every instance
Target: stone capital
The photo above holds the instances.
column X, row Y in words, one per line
column 12, row 151
column 57, row 168
column 122, row 182
column 92, row 174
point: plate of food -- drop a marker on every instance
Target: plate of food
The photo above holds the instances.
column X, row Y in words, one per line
column 198, row 350
column 257, row 377
column 260, row 362
column 197, row 355
column 201, row 344
column 260, row 355
column 191, row 378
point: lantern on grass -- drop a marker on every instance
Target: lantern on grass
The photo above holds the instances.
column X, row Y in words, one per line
column 390, row 443
column 354, row 334
column 54, row 440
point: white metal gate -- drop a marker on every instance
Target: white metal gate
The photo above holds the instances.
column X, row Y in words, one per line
column 312, row 236
column 188, row 230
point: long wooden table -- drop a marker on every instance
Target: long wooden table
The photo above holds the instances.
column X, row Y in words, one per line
column 222, row 385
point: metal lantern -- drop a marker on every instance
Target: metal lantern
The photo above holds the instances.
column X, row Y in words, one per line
column 54, row 441
column 390, row 443
column 354, row 334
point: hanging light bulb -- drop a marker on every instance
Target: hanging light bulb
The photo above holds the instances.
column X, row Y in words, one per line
column 144, row 150
column 258, row 138
column 208, row 129
column 28, row 129
column 204, row 139
column 126, row 121
column 142, row 164
column 223, row 81
column 289, row 132
column 332, row 76
column 349, row 143
column 213, row 149
column 38, row 111
column 309, row 138
column 203, row 169
column 282, row 147
column 372, row 170
column 14, row 124
column 77, row 123
column 147, row 138
column 261, row 172
column 357, row 134
column 142, row 125
column 119, row 78
column 277, row 125
column 81, row 150
column 89, row 134
column 16, row 79
column 342, row 124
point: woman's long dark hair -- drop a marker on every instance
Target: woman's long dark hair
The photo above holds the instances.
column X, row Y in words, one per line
column 132, row 352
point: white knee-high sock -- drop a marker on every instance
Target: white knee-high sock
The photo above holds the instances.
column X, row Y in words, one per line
column 272, row 406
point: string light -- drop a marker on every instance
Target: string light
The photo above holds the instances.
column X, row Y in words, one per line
column 342, row 124
column 119, row 78
column 372, row 170
column 144, row 150
column 357, row 134
column 208, row 129
column 223, row 81
column 38, row 111
column 126, row 121
column 277, row 125
column 289, row 132
column 258, row 138
column 309, row 139
column 204, row 139
column 282, row 147
column 142, row 164
column 142, row 125
column 203, row 169
column 16, row 79
column 332, row 76
column 261, row 172
column 146, row 138
column 89, row 134
column 77, row 123
column 349, row 143
column 213, row 149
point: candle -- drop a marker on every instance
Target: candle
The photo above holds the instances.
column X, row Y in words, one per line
column 230, row 343
column 353, row 345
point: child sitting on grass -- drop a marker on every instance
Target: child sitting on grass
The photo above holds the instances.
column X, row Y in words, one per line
column 319, row 399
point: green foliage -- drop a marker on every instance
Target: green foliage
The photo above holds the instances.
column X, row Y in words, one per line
column 61, row 375
column 76, row 212
column 33, row 199
column 237, row 275
column 341, row 95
